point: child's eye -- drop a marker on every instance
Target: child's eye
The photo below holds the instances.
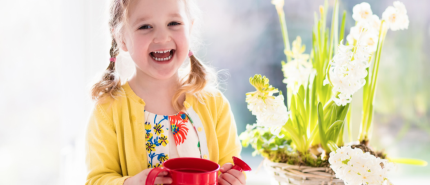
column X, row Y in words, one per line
column 173, row 23
column 145, row 27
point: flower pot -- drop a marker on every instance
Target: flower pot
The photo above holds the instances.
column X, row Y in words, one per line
column 286, row 174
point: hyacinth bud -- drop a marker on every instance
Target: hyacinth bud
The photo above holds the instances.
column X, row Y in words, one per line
column 270, row 110
column 279, row 4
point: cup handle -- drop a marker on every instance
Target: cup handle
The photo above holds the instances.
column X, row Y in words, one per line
column 150, row 179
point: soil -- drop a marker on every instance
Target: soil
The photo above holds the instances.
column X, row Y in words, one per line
column 364, row 145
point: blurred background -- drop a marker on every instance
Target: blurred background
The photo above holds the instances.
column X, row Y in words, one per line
column 51, row 51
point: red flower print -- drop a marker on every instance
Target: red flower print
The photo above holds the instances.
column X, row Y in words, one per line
column 179, row 128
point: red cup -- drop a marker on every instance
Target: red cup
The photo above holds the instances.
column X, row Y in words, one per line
column 187, row 170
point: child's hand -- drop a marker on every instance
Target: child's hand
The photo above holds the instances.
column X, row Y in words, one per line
column 231, row 176
column 140, row 178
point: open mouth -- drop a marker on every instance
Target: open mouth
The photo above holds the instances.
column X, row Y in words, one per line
column 163, row 55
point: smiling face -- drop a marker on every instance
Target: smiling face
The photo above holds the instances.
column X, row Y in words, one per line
column 157, row 36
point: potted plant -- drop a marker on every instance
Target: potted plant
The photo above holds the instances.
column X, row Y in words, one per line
column 303, row 143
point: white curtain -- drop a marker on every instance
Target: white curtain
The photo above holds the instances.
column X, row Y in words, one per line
column 50, row 54
column 85, row 54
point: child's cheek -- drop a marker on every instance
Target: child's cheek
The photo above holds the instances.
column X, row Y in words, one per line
column 139, row 48
column 142, row 41
column 181, row 38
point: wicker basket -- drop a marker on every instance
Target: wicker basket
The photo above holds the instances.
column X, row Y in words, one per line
column 301, row 175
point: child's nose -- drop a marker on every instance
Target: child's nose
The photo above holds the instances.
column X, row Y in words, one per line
column 162, row 36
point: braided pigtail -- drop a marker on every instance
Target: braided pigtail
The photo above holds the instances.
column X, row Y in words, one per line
column 110, row 83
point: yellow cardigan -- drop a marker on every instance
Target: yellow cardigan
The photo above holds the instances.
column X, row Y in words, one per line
column 115, row 139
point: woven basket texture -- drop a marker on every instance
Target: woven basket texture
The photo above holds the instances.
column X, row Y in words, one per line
column 287, row 174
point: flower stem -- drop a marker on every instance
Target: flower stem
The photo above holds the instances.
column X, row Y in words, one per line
column 334, row 30
column 281, row 15
column 349, row 123
column 371, row 89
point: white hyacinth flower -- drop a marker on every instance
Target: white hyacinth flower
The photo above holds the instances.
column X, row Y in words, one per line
column 361, row 12
column 343, row 99
column 270, row 110
column 362, row 27
column 298, row 71
column 343, row 55
column 359, row 168
column 348, row 67
column 362, row 50
column 370, row 39
column 257, row 101
column 400, row 7
column 297, row 51
column 374, row 22
column 275, row 113
column 367, row 23
column 396, row 17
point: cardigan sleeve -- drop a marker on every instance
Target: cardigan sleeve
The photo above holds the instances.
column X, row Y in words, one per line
column 226, row 131
column 102, row 155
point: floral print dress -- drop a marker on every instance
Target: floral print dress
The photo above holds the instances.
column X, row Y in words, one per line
column 170, row 137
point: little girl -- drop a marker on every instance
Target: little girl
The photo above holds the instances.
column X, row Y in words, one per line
column 161, row 112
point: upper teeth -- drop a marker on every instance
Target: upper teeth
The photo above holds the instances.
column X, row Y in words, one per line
column 162, row 51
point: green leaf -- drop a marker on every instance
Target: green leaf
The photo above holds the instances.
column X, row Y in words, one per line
column 332, row 118
column 340, row 138
column 328, row 90
column 298, row 125
column 301, row 107
column 301, row 92
column 313, row 136
column 342, row 27
column 307, row 97
column 293, row 110
column 321, row 129
column 334, row 29
column 296, row 138
column 333, row 132
column 332, row 146
column 314, row 117
column 349, row 123
column 417, row 162
column 342, row 114
column 328, row 110
column 259, row 144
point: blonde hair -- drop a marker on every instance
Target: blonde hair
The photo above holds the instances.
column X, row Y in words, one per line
column 196, row 78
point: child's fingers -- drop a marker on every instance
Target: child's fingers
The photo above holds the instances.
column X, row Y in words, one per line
column 147, row 171
column 231, row 179
column 163, row 180
column 163, row 173
column 221, row 181
column 226, row 167
column 238, row 175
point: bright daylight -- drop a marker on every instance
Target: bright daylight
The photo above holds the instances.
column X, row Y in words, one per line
column 204, row 92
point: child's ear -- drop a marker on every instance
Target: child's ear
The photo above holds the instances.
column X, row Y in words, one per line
column 120, row 41
column 123, row 46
